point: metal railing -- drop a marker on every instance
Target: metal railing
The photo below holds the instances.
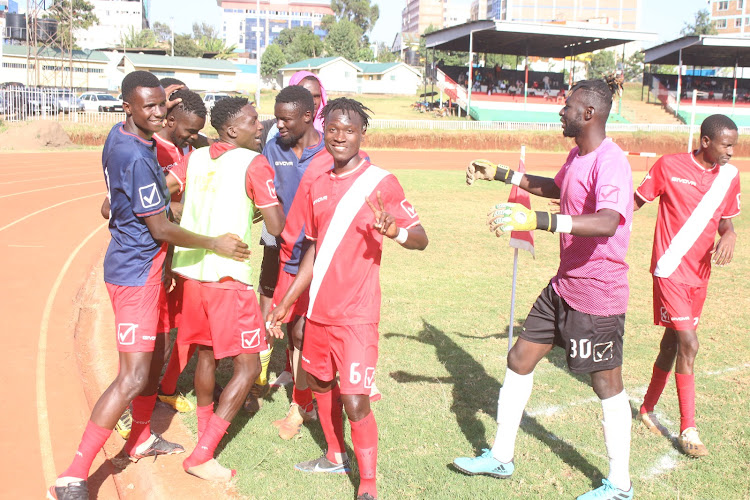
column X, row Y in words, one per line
column 18, row 103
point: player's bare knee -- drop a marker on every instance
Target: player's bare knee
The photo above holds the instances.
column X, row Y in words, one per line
column 519, row 363
column 607, row 383
column 357, row 406
column 688, row 346
column 246, row 366
column 132, row 383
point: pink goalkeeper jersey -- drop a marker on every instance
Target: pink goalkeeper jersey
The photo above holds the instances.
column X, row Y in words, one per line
column 692, row 201
column 345, row 288
column 593, row 275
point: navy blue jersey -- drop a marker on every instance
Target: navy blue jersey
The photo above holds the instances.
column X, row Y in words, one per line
column 137, row 189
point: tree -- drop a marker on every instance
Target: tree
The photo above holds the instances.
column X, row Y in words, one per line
column 185, row 46
column 271, row 61
column 601, row 63
column 360, row 12
column 385, row 55
column 634, row 67
column 201, row 30
column 702, row 25
column 299, row 43
column 365, row 54
column 447, row 58
column 83, row 18
column 344, row 40
column 139, row 39
column 163, row 32
column 217, row 46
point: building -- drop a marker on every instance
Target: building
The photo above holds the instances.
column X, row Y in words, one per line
column 197, row 73
column 455, row 13
column 418, row 15
column 89, row 67
column 388, row 78
column 618, row 14
column 730, row 17
column 478, row 10
column 116, row 19
column 336, row 73
column 239, row 20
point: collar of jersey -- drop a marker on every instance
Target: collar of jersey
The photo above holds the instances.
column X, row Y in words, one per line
column 692, row 157
column 350, row 172
column 144, row 141
column 168, row 144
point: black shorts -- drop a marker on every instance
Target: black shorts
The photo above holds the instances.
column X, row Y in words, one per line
column 269, row 271
column 592, row 343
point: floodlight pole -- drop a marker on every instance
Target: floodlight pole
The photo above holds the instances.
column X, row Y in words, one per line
column 679, row 83
column 470, row 83
column 692, row 123
column 734, row 91
column 257, row 54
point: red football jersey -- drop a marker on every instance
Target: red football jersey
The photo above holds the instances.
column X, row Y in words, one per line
column 345, row 288
column 692, row 201
column 168, row 155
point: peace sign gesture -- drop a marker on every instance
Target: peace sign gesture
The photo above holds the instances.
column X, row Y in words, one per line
column 385, row 223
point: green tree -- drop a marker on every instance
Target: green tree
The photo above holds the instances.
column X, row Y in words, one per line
column 139, row 39
column 448, row 58
column 299, row 43
column 360, row 12
column 344, row 40
column 80, row 17
column 365, row 54
column 163, row 32
column 601, row 63
column 271, row 61
column 185, row 46
column 201, row 30
column 385, row 55
column 634, row 67
column 217, row 46
column 701, row 25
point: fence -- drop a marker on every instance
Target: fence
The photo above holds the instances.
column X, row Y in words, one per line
column 22, row 103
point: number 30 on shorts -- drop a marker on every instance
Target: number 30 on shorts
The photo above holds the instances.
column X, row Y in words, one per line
column 580, row 348
column 356, row 375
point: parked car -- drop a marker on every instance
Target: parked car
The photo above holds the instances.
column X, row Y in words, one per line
column 67, row 102
column 100, row 101
column 39, row 101
column 212, row 98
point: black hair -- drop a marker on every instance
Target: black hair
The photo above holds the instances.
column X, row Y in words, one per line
column 599, row 93
column 168, row 80
column 311, row 78
column 226, row 109
column 191, row 102
column 297, row 95
column 137, row 79
column 346, row 105
column 714, row 125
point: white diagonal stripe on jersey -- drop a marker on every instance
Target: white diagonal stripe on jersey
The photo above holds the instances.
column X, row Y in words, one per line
column 696, row 223
column 346, row 209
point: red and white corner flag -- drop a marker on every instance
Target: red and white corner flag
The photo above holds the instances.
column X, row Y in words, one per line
column 523, row 240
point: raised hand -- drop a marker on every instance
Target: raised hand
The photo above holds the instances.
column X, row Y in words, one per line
column 487, row 171
column 231, row 246
column 169, row 90
column 507, row 217
column 385, row 223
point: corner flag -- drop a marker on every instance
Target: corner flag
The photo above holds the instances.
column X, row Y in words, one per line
column 523, row 240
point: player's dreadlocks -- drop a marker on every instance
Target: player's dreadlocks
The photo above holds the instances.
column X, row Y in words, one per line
column 298, row 96
column 599, row 93
column 191, row 102
column 715, row 124
column 137, row 79
column 347, row 106
column 226, row 109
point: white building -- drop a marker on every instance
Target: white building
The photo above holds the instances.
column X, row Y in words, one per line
column 198, row 74
column 455, row 13
column 116, row 18
column 336, row 73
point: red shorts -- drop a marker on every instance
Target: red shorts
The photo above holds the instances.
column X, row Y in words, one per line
column 174, row 302
column 352, row 350
column 676, row 305
column 299, row 308
column 225, row 316
column 140, row 315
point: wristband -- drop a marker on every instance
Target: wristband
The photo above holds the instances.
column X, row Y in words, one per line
column 554, row 223
column 504, row 175
column 402, row 236
column 516, row 178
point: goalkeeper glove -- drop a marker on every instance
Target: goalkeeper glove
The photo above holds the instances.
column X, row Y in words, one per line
column 507, row 217
column 487, row 171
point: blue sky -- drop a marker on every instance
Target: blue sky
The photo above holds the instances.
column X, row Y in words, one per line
column 664, row 17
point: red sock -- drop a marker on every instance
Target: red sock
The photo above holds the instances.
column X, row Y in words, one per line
column 303, row 398
column 204, row 450
column 655, row 388
column 204, row 415
column 330, row 414
column 365, row 443
column 92, row 441
column 143, row 407
column 686, row 397
column 174, row 368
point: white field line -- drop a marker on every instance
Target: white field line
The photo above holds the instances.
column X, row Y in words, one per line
column 48, row 188
column 42, row 171
column 3, row 228
column 50, row 177
column 663, row 464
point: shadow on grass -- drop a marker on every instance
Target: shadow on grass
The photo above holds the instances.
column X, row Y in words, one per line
column 474, row 389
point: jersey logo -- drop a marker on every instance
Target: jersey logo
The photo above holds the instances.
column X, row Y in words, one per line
column 318, row 200
column 126, row 333
column 683, row 181
column 369, row 377
column 271, row 188
column 665, row 315
column 603, row 352
column 283, row 163
column 408, row 209
column 251, row 339
column 609, row 193
column 149, row 195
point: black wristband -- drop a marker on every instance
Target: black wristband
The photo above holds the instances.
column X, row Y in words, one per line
column 505, row 178
column 546, row 221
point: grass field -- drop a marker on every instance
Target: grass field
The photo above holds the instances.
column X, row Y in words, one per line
column 442, row 359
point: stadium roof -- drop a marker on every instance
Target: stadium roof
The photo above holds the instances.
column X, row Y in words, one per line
column 702, row 50
column 381, row 68
column 317, row 63
column 543, row 40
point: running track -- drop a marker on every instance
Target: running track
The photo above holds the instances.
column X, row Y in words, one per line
column 51, row 236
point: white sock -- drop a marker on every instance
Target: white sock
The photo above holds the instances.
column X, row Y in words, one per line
column 514, row 394
column 617, row 423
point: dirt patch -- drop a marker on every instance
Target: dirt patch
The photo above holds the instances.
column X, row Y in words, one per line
column 36, row 134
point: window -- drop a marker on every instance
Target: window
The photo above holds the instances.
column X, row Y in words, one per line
column 720, row 24
column 212, row 76
column 162, row 74
column 393, row 78
column 738, row 22
column 740, row 4
column 723, row 5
